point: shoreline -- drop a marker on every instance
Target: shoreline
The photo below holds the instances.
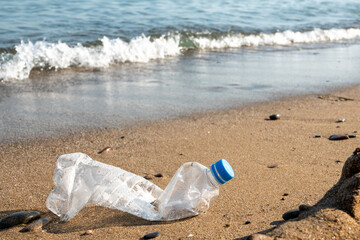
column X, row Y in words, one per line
column 254, row 201
column 121, row 95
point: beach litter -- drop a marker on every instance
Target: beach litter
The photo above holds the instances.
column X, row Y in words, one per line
column 79, row 181
column 106, row 149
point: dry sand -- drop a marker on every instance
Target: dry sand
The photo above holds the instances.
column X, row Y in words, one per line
column 254, row 201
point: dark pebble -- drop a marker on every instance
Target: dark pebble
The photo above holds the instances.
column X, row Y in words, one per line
column 18, row 218
column 272, row 165
column 285, row 194
column 352, row 136
column 317, row 136
column 338, row 137
column 158, row 175
column 151, row 235
column 247, row 222
column 282, row 199
column 304, row 207
column 340, row 120
column 122, row 137
column 274, row 116
column 291, row 214
column 227, row 225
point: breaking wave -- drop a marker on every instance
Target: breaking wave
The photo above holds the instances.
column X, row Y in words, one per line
column 43, row 55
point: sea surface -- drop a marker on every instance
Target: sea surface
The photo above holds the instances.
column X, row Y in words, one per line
column 70, row 65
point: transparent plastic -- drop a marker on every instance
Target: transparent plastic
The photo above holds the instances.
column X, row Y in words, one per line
column 80, row 181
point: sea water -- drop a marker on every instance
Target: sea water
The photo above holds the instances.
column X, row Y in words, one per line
column 76, row 64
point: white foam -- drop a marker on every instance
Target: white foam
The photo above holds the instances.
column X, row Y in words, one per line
column 43, row 54
column 280, row 38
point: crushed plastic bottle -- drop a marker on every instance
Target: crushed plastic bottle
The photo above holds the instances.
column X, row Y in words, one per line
column 80, row 181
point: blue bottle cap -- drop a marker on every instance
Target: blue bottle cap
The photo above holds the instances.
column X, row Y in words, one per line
column 222, row 171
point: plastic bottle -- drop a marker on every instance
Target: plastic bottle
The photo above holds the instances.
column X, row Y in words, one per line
column 79, row 181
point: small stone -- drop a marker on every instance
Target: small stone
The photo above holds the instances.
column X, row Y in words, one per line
column 18, row 218
column 345, row 99
column 227, row 225
column 122, row 137
column 158, row 175
column 106, row 149
column 247, row 222
column 282, row 199
column 340, row 120
column 304, row 207
column 87, row 232
column 338, row 137
column 148, row 177
column 351, row 135
column 151, row 235
column 357, row 151
column 259, row 236
column 272, row 165
column 317, row 136
column 355, row 132
column 285, row 194
column 189, row 236
column 291, row 214
column 274, row 116
column 37, row 225
column 338, row 161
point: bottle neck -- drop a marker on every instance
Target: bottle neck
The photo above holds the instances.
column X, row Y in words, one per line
column 211, row 178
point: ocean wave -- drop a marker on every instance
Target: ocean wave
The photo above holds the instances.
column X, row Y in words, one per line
column 44, row 55
column 284, row 38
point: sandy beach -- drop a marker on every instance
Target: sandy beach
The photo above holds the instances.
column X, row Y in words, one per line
column 304, row 167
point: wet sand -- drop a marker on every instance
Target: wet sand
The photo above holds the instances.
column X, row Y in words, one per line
column 305, row 166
